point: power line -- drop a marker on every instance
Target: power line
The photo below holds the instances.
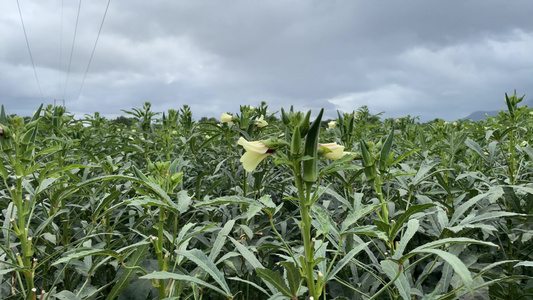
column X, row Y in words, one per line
column 61, row 41
column 94, row 48
column 72, row 49
column 29, row 50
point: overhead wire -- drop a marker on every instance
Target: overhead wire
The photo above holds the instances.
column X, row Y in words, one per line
column 61, row 41
column 72, row 50
column 29, row 50
column 94, row 48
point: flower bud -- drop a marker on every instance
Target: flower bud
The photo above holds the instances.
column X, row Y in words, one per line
column 260, row 122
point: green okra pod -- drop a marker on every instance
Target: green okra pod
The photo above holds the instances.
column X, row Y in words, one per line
column 296, row 141
column 310, row 166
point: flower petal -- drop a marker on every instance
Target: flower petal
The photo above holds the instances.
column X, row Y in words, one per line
column 250, row 160
column 255, row 146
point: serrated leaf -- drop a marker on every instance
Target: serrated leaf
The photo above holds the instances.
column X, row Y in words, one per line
column 220, row 240
column 412, row 228
column 292, row 273
column 267, row 201
column 274, row 277
column 206, row 264
column 253, row 209
column 184, row 200
column 391, row 269
column 5, row 271
column 322, row 217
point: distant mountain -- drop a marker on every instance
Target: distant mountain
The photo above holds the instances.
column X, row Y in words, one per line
column 480, row 115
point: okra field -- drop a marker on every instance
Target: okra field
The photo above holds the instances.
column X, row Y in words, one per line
column 266, row 205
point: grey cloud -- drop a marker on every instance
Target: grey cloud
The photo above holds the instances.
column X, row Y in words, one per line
column 433, row 59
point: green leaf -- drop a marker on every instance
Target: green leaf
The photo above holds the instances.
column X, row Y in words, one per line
column 255, row 285
column 458, row 266
column 412, row 228
column 45, row 184
column 81, row 253
column 66, row 295
column 476, row 147
column 124, row 280
column 184, row 200
column 461, row 210
column 368, row 230
column 253, row 209
column 422, row 173
column 391, row 269
column 406, row 215
column 274, row 277
column 402, row 156
column 459, row 240
column 524, row 264
column 206, row 264
column 148, row 201
column 5, row 271
column 140, row 174
column 354, row 216
column 322, row 217
column 251, row 259
column 220, row 240
column 168, row 275
column 226, row 200
column 293, row 276
column 345, row 260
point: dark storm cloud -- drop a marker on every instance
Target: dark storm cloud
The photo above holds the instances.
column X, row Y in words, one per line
column 425, row 58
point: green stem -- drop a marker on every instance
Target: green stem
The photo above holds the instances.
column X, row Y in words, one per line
column 386, row 286
column 159, row 252
column 304, row 196
column 23, row 236
column 282, row 241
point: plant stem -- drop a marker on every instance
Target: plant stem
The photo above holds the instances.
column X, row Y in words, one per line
column 159, row 252
column 308, row 259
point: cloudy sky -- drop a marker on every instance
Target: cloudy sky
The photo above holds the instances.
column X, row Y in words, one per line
column 422, row 58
